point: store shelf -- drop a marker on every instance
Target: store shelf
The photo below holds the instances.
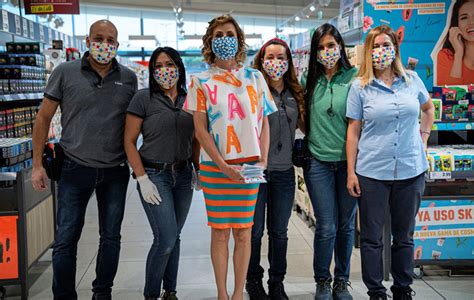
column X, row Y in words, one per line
column 17, row 97
column 453, row 126
column 454, row 175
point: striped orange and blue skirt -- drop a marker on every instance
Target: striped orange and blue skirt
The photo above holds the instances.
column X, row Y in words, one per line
column 229, row 204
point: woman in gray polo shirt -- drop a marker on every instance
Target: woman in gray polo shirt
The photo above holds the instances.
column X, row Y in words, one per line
column 163, row 165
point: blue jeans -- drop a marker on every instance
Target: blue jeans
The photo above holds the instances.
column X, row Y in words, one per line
column 403, row 198
column 277, row 195
column 75, row 188
column 166, row 221
column 334, row 210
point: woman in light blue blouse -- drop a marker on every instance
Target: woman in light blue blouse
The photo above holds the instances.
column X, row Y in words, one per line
column 386, row 158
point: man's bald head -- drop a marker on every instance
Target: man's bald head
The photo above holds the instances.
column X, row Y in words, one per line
column 101, row 26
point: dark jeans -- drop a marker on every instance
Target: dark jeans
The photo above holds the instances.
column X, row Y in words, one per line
column 166, row 221
column 75, row 188
column 334, row 210
column 403, row 197
column 277, row 195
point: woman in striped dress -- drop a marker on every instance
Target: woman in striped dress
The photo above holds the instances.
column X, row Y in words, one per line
column 230, row 104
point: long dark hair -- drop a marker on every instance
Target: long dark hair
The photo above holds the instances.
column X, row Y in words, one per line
column 316, row 69
column 290, row 79
column 453, row 23
column 176, row 58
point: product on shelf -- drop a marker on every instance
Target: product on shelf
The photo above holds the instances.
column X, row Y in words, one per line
column 451, row 158
column 17, row 122
column 438, row 105
column 15, row 154
column 21, row 73
column 457, row 103
column 23, row 48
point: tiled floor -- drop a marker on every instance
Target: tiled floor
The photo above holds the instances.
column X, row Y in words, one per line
column 196, row 279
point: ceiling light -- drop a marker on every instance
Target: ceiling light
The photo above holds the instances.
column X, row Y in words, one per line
column 297, row 18
column 312, row 8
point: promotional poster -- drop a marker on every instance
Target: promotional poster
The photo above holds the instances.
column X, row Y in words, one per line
column 436, row 36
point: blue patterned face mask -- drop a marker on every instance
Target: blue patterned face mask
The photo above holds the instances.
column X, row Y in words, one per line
column 225, row 48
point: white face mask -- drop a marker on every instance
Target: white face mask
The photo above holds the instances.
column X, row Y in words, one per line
column 103, row 52
column 275, row 68
column 382, row 57
column 329, row 57
column 166, row 77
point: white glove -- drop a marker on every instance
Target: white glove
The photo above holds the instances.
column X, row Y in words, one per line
column 196, row 183
column 149, row 190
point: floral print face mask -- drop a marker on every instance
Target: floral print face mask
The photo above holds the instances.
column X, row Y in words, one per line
column 225, row 48
column 382, row 57
column 275, row 68
column 329, row 57
column 102, row 52
column 166, row 77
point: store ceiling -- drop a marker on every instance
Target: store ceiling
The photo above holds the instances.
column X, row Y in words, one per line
column 268, row 11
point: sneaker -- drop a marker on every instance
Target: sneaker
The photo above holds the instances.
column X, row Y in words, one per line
column 379, row 296
column 323, row 289
column 402, row 293
column 255, row 290
column 167, row 295
column 276, row 291
column 340, row 291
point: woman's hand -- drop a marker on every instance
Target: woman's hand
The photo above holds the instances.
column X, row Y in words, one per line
column 455, row 38
column 233, row 172
column 353, row 185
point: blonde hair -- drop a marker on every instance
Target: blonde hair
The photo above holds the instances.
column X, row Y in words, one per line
column 206, row 50
column 366, row 72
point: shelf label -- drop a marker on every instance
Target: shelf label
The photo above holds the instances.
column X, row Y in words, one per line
column 6, row 25
column 440, row 175
column 32, row 30
column 17, row 25
column 25, row 27
column 41, row 31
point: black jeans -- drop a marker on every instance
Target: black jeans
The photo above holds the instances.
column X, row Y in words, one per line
column 403, row 198
column 75, row 188
column 277, row 195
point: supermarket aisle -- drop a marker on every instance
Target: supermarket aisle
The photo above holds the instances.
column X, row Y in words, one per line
column 196, row 279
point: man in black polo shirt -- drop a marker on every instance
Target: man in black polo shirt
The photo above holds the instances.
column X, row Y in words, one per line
column 93, row 94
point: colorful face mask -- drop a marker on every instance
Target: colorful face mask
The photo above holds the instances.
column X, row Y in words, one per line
column 102, row 52
column 329, row 57
column 275, row 68
column 225, row 48
column 383, row 57
column 166, row 77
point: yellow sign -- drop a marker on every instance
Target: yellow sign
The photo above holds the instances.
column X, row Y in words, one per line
column 41, row 9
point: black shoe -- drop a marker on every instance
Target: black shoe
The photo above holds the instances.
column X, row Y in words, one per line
column 255, row 290
column 167, row 295
column 402, row 293
column 379, row 296
column 323, row 289
column 340, row 291
column 276, row 291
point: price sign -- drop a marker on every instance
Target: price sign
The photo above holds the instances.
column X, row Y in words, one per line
column 6, row 25
column 440, row 175
column 17, row 25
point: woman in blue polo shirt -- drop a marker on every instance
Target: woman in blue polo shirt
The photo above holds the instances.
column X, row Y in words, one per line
column 386, row 157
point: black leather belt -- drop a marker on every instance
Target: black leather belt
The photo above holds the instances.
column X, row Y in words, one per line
column 176, row 166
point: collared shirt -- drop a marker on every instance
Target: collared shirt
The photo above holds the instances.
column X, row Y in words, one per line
column 282, row 131
column 327, row 134
column 390, row 145
column 92, row 111
column 167, row 129
column 235, row 102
